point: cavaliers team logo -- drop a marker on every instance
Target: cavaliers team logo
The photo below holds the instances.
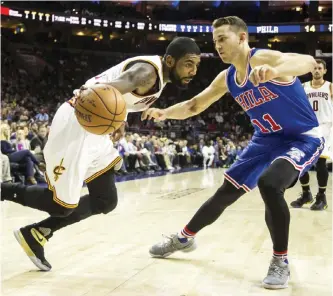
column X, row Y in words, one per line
column 58, row 170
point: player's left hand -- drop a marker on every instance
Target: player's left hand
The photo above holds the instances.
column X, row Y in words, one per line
column 119, row 133
column 261, row 74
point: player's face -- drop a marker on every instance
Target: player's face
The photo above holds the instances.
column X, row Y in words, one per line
column 228, row 43
column 184, row 70
column 319, row 71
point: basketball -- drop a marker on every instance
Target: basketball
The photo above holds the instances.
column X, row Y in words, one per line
column 100, row 109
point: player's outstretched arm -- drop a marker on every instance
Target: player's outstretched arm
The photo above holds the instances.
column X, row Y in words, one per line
column 139, row 75
column 271, row 64
column 191, row 107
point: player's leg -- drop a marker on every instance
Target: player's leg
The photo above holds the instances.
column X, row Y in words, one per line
column 322, row 177
column 102, row 199
column 35, row 197
column 208, row 213
column 321, row 168
column 67, row 162
column 279, row 176
column 94, row 164
column 306, row 195
column 293, row 159
column 242, row 175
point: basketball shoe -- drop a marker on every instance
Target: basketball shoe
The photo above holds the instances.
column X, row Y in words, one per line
column 32, row 242
column 172, row 244
column 305, row 198
column 278, row 274
column 320, row 204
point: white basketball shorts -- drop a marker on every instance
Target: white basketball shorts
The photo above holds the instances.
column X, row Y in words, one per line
column 74, row 156
column 327, row 130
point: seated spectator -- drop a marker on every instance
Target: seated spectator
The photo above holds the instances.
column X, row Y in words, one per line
column 21, row 143
column 208, row 152
column 23, row 157
column 42, row 117
column 181, row 154
column 239, row 152
column 37, row 143
column 5, row 175
column 196, row 155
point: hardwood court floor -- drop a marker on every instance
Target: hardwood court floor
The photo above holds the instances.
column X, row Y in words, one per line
column 108, row 254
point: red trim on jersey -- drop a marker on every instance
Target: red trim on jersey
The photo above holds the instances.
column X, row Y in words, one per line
column 283, row 83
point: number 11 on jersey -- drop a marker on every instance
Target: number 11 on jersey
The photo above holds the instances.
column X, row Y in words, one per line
column 274, row 127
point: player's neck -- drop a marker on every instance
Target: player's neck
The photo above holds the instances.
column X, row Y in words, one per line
column 241, row 61
column 317, row 82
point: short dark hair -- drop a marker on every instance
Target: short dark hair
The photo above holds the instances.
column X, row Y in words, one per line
column 320, row 61
column 181, row 46
column 233, row 21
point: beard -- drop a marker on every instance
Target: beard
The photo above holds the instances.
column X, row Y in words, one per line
column 177, row 81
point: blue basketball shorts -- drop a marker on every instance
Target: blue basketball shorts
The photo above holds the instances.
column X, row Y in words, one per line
column 302, row 152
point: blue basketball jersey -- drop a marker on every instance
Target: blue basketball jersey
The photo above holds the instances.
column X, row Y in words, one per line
column 274, row 107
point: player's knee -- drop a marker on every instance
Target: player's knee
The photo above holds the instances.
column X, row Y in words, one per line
column 110, row 205
column 227, row 194
column 267, row 183
column 106, row 201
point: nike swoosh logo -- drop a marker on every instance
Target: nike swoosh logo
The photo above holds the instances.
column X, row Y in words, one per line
column 38, row 236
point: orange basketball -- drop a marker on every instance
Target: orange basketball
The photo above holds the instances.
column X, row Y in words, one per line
column 100, row 109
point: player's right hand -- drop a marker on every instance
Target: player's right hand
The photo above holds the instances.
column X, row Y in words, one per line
column 154, row 113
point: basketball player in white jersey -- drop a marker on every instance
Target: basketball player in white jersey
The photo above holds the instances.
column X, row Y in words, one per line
column 320, row 95
column 74, row 156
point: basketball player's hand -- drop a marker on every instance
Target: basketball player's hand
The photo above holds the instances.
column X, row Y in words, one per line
column 261, row 74
column 154, row 113
column 119, row 133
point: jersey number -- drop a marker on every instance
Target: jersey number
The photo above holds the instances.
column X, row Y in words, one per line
column 273, row 125
column 315, row 105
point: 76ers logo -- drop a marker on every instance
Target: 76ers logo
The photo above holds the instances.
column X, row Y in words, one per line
column 296, row 154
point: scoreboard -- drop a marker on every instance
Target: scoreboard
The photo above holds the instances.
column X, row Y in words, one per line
column 155, row 26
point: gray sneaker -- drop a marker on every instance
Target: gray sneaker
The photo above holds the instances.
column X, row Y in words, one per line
column 170, row 245
column 278, row 275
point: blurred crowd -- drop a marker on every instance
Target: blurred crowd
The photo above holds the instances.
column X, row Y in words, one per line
column 22, row 145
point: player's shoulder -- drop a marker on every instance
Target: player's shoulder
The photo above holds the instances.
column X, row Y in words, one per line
column 306, row 83
column 264, row 56
column 147, row 64
column 263, row 53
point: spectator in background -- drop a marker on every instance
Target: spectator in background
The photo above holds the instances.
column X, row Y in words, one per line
column 38, row 143
column 5, row 175
column 239, row 152
column 196, row 155
column 42, row 116
column 208, row 152
column 21, row 143
column 23, row 157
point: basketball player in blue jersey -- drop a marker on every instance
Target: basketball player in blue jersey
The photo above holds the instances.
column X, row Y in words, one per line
column 285, row 144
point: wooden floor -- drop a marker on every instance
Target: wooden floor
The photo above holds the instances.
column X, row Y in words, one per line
column 108, row 254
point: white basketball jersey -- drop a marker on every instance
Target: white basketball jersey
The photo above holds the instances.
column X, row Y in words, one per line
column 320, row 100
column 135, row 102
